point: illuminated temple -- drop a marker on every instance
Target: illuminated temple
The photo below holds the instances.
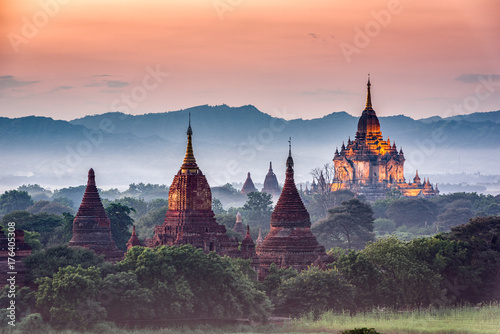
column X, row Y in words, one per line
column 369, row 165
column 190, row 219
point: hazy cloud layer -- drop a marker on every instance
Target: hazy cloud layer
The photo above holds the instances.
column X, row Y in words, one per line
column 8, row 81
column 474, row 77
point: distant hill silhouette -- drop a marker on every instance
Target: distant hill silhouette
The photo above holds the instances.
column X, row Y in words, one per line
column 228, row 143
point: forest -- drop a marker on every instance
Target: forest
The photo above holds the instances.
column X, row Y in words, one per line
column 395, row 254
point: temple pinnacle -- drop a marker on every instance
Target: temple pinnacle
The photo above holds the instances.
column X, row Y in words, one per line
column 368, row 95
column 189, row 162
column 289, row 161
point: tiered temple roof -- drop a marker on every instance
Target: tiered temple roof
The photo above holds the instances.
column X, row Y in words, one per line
column 271, row 185
column 92, row 227
column 290, row 242
column 190, row 219
column 371, row 165
column 248, row 186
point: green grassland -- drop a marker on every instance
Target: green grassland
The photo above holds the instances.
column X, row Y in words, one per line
column 459, row 320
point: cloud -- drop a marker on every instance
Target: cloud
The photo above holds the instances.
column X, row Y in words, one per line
column 8, row 81
column 116, row 83
column 57, row 89
column 101, row 75
column 108, row 83
column 335, row 92
column 95, row 84
column 474, row 77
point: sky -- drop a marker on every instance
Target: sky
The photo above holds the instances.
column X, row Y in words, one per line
column 294, row 59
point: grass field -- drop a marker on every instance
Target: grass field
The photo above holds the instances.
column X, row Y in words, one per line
column 460, row 320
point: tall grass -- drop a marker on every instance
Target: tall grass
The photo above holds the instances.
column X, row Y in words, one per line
column 458, row 320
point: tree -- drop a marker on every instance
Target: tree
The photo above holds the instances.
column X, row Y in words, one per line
column 145, row 225
column 362, row 274
column 452, row 217
column 349, row 225
column 14, row 200
column 384, row 226
column 258, row 208
column 217, row 207
column 48, row 262
column 138, row 207
column 259, row 202
column 69, row 298
column 314, row 290
column 404, row 280
column 482, row 235
column 52, row 228
column 412, row 212
column 189, row 283
column 119, row 215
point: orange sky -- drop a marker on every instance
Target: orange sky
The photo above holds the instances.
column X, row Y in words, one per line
column 84, row 55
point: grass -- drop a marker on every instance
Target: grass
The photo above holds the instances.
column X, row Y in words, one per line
column 460, row 320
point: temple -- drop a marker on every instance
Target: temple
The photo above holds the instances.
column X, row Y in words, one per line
column 190, row 219
column 134, row 240
column 290, row 242
column 238, row 226
column 369, row 165
column 248, row 186
column 92, row 227
column 271, row 185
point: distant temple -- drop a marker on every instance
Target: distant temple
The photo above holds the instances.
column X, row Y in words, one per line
column 92, row 227
column 190, row 219
column 271, row 185
column 248, row 186
column 134, row 240
column 290, row 243
column 370, row 165
column 238, row 226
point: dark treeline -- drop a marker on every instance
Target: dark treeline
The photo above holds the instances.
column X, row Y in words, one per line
column 397, row 253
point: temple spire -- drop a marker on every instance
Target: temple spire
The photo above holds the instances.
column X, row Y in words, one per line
column 289, row 161
column 368, row 95
column 189, row 162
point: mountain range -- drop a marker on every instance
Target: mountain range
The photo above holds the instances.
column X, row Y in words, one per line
column 228, row 143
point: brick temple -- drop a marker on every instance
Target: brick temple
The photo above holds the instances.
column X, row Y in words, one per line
column 92, row 227
column 190, row 219
column 290, row 242
column 248, row 186
column 369, row 165
column 271, row 185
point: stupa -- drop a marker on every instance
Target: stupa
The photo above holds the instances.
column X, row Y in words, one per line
column 271, row 185
column 248, row 186
column 290, row 242
column 92, row 227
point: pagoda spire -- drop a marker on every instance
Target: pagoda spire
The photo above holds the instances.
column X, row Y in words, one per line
column 368, row 95
column 289, row 161
column 189, row 163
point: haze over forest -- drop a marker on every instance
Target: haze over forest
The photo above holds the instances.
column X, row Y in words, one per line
column 231, row 141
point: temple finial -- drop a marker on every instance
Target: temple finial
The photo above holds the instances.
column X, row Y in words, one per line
column 368, row 95
column 189, row 162
column 189, row 130
column 289, row 161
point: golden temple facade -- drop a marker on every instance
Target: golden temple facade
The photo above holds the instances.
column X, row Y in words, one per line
column 370, row 165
